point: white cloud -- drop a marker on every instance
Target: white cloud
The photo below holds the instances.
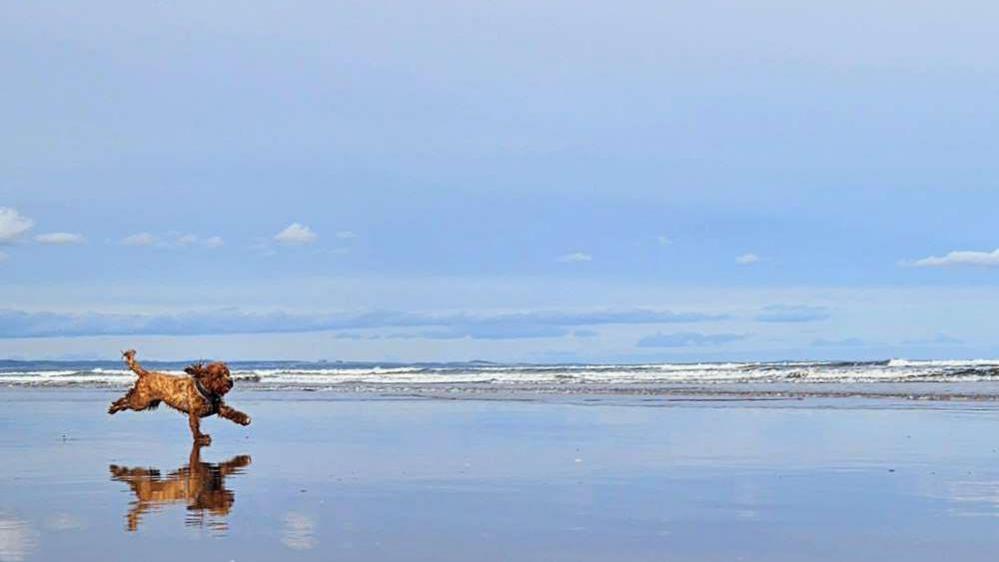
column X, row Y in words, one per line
column 346, row 235
column 747, row 259
column 296, row 233
column 664, row 241
column 214, row 242
column 173, row 240
column 12, row 224
column 961, row 257
column 187, row 240
column 140, row 239
column 60, row 238
column 575, row 257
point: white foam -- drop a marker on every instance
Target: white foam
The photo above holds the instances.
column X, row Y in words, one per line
column 898, row 370
column 943, row 363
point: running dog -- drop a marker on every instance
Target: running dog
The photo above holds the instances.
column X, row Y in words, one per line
column 198, row 395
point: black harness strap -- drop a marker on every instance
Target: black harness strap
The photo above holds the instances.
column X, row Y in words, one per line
column 213, row 399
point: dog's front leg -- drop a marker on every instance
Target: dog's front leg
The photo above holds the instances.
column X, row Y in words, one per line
column 195, row 422
column 234, row 415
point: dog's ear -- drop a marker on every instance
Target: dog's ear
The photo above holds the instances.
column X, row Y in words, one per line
column 195, row 369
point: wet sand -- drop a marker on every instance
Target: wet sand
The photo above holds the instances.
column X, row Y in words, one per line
column 332, row 476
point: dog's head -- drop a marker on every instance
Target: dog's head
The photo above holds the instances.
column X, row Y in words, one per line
column 214, row 377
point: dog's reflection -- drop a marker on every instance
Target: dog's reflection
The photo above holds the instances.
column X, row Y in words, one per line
column 199, row 485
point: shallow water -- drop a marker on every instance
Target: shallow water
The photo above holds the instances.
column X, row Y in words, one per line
column 329, row 476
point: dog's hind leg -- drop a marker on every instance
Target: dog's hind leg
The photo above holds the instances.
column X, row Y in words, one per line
column 134, row 400
column 123, row 403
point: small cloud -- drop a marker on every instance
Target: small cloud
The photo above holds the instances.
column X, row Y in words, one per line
column 296, row 234
column 60, row 238
column 664, row 241
column 187, row 240
column 299, row 532
column 845, row 342
column 140, row 239
column 961, row 257
column 345, row 235
column 747, row 259
column 575, row 257
column 214, row 242
column 585, row 333
column 792, row 313
column 687, row 339
column 13, row 225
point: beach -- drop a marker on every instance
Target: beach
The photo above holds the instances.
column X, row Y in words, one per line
column 382, row 476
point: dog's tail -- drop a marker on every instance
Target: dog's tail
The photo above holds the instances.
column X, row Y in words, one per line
column 129, row 357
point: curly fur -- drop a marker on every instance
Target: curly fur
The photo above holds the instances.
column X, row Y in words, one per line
column 182, row 393
column 200, row 485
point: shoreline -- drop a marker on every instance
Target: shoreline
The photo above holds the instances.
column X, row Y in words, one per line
column 907, row 391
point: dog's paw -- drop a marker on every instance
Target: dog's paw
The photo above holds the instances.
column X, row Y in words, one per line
column 245, row 421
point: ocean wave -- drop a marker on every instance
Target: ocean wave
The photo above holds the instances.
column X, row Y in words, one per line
column 957, row 363
column 271, row 375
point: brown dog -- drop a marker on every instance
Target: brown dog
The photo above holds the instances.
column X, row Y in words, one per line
column 200, row 485
column 199, row 395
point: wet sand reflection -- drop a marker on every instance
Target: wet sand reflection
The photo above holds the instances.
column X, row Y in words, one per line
column 199, row 485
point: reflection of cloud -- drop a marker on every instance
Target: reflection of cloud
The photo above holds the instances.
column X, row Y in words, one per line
column 299, row 531
column 972, row 497
column 63, row 522
column 17, row 540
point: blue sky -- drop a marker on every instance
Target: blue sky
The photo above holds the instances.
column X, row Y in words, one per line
column 507, row 181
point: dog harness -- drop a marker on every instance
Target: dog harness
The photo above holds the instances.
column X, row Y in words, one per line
column 213, row 399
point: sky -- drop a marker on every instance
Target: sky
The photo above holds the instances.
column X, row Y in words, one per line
column 514, row 181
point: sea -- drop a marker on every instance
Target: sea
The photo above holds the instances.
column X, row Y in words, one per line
column 897, row 378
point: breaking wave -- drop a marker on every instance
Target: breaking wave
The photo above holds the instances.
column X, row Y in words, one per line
column 323, row 375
